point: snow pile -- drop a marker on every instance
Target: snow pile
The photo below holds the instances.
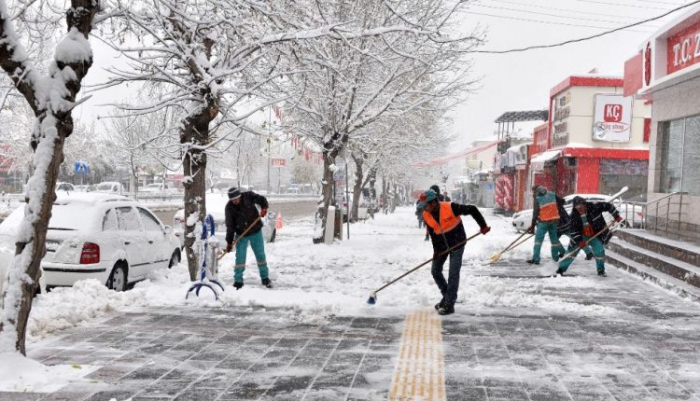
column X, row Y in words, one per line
column 20, row 374
column 68, row 307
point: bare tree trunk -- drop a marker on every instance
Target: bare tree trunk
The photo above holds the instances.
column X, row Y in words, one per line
column 372, row 177
column 357, row 187
column 54, row 125
column 196, row 132
column 327, row 193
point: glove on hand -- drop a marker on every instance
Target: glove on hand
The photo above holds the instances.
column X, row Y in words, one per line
column 582, row 244
column 485, row 229
column 531, row 230
column 263, row 212
column 618, row 218
column 229, row 247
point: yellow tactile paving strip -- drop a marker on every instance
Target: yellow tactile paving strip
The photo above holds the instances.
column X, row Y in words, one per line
column 420, row 370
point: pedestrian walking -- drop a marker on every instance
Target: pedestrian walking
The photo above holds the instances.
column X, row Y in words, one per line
column 545, row 219
column 241, row 214
column 446, row 230
column 587, row 221
column 419, row 214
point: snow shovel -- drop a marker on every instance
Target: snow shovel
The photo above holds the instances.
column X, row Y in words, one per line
column 373, row 295
column 610, row 226
column 497, row 256
column 240, row 236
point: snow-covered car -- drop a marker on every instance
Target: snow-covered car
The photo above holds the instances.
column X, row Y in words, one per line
column 110, row 187
column 216, row 206
column 85, row 188
column 106, row 237
column 64, row 187
column 523, row 219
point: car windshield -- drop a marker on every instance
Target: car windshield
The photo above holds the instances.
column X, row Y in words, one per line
column 104, row 187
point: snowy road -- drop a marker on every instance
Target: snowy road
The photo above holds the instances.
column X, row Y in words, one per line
column 514, row 336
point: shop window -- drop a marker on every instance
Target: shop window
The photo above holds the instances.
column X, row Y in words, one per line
column 680, row 156
column 616, row 174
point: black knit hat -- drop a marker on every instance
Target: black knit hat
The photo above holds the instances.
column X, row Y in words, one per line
column 234, row 193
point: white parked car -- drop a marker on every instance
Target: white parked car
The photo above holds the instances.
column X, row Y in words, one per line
column 109, row 238
column 523, row 219
column 64, row 187
column 216, row 206
column 110, row 187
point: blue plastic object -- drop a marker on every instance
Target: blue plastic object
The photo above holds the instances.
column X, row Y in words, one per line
column 208, row 230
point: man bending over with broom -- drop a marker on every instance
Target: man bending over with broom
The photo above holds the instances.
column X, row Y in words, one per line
column 243, row 222
column 588, row 227
column 446, row 231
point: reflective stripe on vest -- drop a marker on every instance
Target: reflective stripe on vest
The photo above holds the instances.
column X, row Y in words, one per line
column 448, row 220
column 548, row 207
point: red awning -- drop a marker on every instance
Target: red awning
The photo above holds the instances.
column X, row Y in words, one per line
column 607, row 153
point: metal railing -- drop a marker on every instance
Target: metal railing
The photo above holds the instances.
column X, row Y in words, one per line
column 664, row 215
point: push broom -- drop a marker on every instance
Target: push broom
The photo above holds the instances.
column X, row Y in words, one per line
column 240, row 236
column 373, row 295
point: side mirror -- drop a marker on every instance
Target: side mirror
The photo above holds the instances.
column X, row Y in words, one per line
column 168, row 230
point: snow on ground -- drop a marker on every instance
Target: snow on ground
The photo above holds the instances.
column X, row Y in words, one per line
column 321, row 280
column 20, row 374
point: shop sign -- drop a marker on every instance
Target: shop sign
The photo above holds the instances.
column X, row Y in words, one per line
column 683, row 49
column 277, row 162
column 560, row 139
column 612, row 118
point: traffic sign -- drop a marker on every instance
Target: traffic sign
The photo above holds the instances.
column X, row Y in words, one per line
column 81, row 167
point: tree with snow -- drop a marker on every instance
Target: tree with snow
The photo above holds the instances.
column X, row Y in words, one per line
column 353, row 84
column 51, row 96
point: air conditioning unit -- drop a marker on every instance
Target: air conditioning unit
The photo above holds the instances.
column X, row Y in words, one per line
column 570, row 161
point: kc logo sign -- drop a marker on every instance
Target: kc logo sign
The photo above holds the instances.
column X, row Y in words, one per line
column 612, row 113
column 612, row 118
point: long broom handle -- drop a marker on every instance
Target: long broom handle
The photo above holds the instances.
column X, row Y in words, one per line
column 426, row 262
column 241, row 236
column 578, row 248
column 511, row 244
column 519, row 243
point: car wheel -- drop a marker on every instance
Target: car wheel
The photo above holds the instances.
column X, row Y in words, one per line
column 118, row 279
column 274, row 235
column 174, row 260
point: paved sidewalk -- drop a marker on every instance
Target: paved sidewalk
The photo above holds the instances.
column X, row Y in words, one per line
column 646, row 350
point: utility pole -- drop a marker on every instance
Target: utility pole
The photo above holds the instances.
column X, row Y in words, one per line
column 269, row 140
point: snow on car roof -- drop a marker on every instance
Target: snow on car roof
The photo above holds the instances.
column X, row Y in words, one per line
column 89, row 198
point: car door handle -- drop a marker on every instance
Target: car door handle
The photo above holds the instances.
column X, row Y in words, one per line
column 127, row 242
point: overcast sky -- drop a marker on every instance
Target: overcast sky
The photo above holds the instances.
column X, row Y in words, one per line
column 522, row 81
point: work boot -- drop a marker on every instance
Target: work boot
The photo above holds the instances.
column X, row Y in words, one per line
column 238, row 286
column 267, row 283
column 440, row 304
column 602, row 273
column 533, row 262
column 446, row 310
column 559, row 272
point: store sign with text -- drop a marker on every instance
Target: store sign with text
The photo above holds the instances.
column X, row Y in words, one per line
column 612, row 118
column 683, row 49
column 277, row 162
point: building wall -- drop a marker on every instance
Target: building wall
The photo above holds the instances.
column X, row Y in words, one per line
column 669, row 104
column 588, row 183
column 580, row 121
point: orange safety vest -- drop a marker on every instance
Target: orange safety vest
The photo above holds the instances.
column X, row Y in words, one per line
column 549, row 211
column 448, row 220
